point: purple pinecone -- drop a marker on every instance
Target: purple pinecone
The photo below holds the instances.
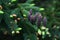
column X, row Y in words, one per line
column 35, row 16
column 29, row 17
column 30, row 13
column 44, row 21
column 32, row 19
column 39, row 20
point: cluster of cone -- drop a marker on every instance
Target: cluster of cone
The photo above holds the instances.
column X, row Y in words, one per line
column 37, row 18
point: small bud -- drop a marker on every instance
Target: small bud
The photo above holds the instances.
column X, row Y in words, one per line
column 43, row 33
column 39, row 31
column 47, row 32
column 9, row 3
column 15, row 21
column 13, row 32
column 0, row 7
column 13, row 0
column 39, row 20
column 24, row 15
column 44, row 21
column 11, row 16
column 42, row 9
column 19, row 29
column 18, row 18
column 1, row 12
column 14, row 15
column 6, row 32
column 43, row 28
column 17, row 32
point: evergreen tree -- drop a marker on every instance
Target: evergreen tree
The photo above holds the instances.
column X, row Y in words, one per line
column 26, row 20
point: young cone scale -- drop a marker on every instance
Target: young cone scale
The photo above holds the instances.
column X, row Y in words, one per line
column 39, row 20
column 35, row 16
column 30, row 13
column 32, row 19
column 44, row 21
